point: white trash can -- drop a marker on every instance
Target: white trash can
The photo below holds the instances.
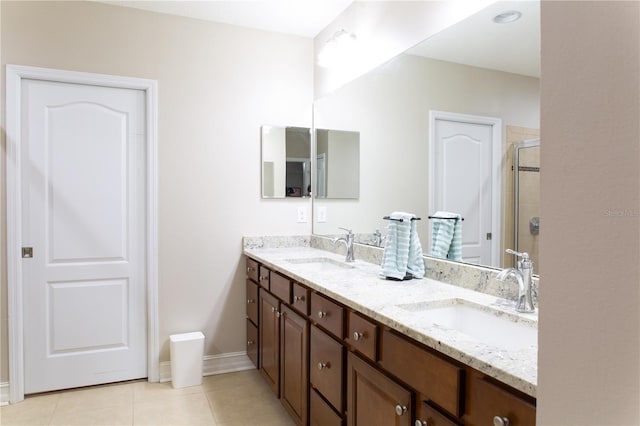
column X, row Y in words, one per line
column 187, row 351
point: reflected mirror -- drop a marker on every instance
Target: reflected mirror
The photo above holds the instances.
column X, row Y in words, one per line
column 448, row 110
column 286, row 161
column 337, row 164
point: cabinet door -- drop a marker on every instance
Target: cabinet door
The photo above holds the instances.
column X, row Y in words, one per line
column 269, row 340
column 373, row 398
column 294, row 364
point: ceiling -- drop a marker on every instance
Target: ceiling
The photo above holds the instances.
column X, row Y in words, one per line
column 304, row 18
column 480, row 42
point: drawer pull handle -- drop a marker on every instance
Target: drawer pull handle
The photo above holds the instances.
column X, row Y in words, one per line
column 323, row 365
column 263, row 278
column 251, row 301
column 298, row 298
column 421, row 423
column 500, row 421
column 249, row 269
column 321, row 314
column 400, row 410
column 357, row 335
column 249, row 342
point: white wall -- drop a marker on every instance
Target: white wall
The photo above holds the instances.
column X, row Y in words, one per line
column 217, row 85
column 589, row 334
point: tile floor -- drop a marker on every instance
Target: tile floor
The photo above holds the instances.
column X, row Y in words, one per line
column 233, row 399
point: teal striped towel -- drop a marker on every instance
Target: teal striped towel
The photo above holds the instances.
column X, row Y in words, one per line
column 402, row 253
column 446, row 236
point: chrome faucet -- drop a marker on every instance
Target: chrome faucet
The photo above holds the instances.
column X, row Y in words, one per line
column 348, row 242
column 377, row 238
column 523, row 276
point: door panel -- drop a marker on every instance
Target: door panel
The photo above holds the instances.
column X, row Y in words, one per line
column 83, row 193
column 463, row 182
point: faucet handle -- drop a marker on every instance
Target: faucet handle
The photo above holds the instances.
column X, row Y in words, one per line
column 523, row 255
column 345, row 229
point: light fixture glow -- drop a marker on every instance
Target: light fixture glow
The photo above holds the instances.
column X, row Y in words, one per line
column 337, row 49
column 507, row 17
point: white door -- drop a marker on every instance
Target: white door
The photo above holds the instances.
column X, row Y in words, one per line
column 463, row 181
column 83, row 203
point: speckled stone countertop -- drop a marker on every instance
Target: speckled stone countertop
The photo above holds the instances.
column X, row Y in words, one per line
column 400, row 306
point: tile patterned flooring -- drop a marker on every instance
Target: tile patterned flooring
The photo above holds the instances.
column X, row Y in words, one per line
column 233, row 399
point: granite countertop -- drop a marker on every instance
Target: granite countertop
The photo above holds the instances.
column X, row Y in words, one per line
column 400, row 306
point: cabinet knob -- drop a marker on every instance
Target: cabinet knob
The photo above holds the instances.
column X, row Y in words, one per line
column 249, row 269
column 261, row 278
column 251, row 301
column 500, row 421
column 323, row 365
column 321, row 314
column 250, row 342
column 400, row 409
column 279, row 314
column 298, row 298
column 357, row 335
column 273, row 309
column 421, row 423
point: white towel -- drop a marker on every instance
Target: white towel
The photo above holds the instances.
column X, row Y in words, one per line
column 402, row 252
column 446, row 236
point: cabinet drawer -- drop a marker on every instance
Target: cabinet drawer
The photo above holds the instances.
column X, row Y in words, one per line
column 326, row 364
column 491, row 400
column 327, row 314
column 280, row 287
column 426, row 415
column 252, row 342
column 437, row 380
column 252, row 301
column 263, row 276
column 362, row 335
column 300, row 300
column 321, row 413
column 252, row 269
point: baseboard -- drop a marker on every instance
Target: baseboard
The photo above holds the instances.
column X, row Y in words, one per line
column 214, row 364
column 4, row 393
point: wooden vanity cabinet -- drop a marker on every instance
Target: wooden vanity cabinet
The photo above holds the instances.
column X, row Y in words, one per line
column 374, row 398
column 294, row 364
column 332, row 365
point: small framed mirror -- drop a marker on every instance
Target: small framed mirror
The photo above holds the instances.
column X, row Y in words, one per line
column 286, row 161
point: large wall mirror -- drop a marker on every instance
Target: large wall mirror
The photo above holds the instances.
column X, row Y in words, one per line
column 473, row 73
column 286, row 161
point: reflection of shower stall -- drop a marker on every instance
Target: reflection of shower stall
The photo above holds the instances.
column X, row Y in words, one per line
column 526, row 160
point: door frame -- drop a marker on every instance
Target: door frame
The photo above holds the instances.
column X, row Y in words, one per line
column 496, row 171
column 15, row 74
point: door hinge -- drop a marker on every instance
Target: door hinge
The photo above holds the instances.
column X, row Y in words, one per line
column 489, row 236
column 27, row 252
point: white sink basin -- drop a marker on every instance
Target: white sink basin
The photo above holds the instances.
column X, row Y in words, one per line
column 321, row 264
column 481, row 323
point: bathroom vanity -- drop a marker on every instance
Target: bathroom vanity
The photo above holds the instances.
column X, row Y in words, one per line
column 340, row 345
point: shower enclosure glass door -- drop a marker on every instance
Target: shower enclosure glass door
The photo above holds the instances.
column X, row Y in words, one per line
column 527, row 199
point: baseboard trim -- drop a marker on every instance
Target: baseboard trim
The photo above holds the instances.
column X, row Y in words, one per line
column 214, row 364
column 4, row 393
